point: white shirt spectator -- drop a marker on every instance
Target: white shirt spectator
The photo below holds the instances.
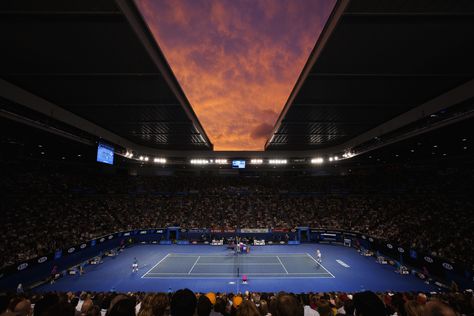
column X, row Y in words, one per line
column 308, row 311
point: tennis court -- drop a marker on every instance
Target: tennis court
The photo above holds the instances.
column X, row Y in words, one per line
column 182, row 266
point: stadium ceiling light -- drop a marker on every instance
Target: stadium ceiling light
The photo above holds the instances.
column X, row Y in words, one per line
column 464, row 139
column 277, row 161
column 336, row 158
column 256, row 161
column 141, row 158
column 317, row 161
column 199, row 161
column 146, row 158
column 331, row 158
column 347, row 154
column 221, row 161
column 159, row 160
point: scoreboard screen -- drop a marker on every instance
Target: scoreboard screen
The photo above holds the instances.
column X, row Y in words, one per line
column 238, row 164
column 105, row 154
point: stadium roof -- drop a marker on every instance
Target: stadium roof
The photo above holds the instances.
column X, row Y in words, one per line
column 99, row 63
column 375, row 61
column 93, row 69
column 452, row 142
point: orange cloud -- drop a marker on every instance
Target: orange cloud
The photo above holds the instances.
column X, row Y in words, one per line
column 237, row 61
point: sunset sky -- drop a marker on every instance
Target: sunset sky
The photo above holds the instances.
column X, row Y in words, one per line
column 236, row 60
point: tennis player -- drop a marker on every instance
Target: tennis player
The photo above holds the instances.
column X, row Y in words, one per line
column 318, row 256
column 135, row 265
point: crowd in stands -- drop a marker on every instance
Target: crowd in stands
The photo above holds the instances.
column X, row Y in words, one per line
column 186, row 303
column 43, row 211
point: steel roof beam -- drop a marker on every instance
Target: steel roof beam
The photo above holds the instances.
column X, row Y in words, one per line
column 369, row 14
column 83, row 74
column 329, row 27
column 119, row 105
column 314, row 75
column 137, row 23
column 372, row 106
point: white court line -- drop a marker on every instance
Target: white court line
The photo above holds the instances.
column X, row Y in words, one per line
column 230, row 274
column 231, row 277
column 289, row 275
column 342, row 263
column 156, row 264
column 240, row 264
column 320, row 265
column 199, row 257
column 243, row 255
column 282, row 264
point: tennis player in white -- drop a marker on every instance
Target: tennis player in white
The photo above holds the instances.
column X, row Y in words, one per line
column 318, row 256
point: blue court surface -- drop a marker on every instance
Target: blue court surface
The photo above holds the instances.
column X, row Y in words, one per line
column 181, row 266
column 203, row 268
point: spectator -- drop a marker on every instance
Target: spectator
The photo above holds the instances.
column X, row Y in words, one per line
column 324, row 309
column 288, row 305
column 69, row 208
column 183, row 303
column 263, row 308
column 368, row 304
column 20, row 306
column 204, row 306
column 82, row 297
column 219, row 307
column 45, row 303
column 86, row 305
column 308, row 311
column 413, row 308
column 438, row 309
column 94, row 311
column 247, row 308
column 154, row 305
column 123, row 307
column 61, row 308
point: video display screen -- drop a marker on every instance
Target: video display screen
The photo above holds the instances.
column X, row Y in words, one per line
column 238, row 164
column 105, row 154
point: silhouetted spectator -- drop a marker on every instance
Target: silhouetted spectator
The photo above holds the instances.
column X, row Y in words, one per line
column 288, row 305
column 204, row 306
column 368, row 304
column 183, row 303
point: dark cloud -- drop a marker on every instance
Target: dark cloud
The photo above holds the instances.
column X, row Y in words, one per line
column 261, row 131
